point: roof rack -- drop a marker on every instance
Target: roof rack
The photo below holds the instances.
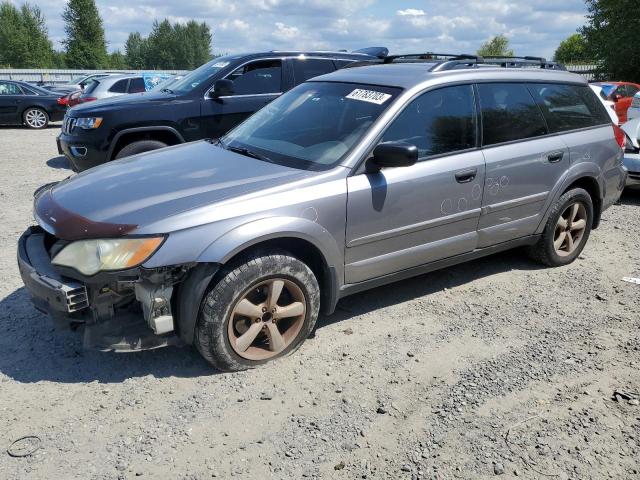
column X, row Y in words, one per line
column 510, row 61
column 452, row 61
column 430, row 57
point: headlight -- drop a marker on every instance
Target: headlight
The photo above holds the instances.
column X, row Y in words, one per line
column 92, row 256
column 89, row 123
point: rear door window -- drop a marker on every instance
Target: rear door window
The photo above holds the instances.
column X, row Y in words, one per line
column 136, row 85
column 119, row 87
column 509, row 113
column 255, row 78
column 437, row 122
column 569, row 107
column 306, row 68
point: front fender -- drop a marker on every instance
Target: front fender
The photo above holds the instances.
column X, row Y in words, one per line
column 244, row 236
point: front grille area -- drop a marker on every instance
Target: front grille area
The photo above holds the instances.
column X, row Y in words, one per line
column 77, row 298
column 68, row 125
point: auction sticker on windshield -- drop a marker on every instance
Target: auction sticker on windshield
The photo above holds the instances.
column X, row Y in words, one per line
column 370, row 96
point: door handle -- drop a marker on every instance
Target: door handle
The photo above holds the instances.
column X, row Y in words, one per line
column 466, row 176
column 555, row 157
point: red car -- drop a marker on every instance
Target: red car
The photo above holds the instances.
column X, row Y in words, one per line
column 621, row 93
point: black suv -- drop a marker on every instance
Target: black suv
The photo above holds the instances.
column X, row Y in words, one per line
column 206, row 103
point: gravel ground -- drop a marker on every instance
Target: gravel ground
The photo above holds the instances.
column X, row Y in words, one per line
column 496, row 367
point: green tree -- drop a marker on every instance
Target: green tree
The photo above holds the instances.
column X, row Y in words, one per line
column 192, row 45
column 135, row 50
column 24, row 40
column 161, row 41
column 497, row 46
column 85, row 44
column 611, row 35
column 572, row 50
column 118, row 61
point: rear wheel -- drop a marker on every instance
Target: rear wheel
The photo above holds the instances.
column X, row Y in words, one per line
column 140, row 146
column 262, row 308
column 35, row 118
column 567, row 229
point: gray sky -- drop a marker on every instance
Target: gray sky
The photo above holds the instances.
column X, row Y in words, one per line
column 535, row 27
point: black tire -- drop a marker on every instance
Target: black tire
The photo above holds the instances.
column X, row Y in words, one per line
column 140, row 146
column 230, row 286
column 544, row 251
column 30, row 115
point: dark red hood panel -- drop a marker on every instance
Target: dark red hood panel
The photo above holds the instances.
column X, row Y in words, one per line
column 67, row 225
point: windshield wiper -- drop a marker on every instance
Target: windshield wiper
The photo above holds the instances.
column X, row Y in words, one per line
column 245, row 151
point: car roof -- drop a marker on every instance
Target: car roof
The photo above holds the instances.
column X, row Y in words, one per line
column 307, row 53
column 408, row 75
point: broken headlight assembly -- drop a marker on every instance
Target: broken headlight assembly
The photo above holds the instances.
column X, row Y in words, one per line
column 92, row 256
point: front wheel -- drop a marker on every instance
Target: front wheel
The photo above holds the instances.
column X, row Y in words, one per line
column 260, row 309
column 567, row 229
column 35, row 118
column 140, row 146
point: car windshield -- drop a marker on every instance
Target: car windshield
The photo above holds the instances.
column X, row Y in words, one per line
column 607, row 88
column 313, row 126
column 200, row 75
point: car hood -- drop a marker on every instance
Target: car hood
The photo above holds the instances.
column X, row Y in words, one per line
column 119, row 101
column 125, row 195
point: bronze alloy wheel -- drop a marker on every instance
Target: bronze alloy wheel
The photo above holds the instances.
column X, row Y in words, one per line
column 267, row 319
column 570, row 229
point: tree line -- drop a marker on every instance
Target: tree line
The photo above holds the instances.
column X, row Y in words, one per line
column 608, row 40
column 25, row 43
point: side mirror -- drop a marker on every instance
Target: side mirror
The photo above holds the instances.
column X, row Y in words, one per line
column 222, row 88
column 392, row 154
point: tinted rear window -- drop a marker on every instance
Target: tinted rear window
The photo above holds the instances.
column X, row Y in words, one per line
column 509, row 113
column 569, row 107
column 304, row 69
column 136, row 85
column 120, row 86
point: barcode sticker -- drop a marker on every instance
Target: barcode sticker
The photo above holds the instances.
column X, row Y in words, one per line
column 370, row 96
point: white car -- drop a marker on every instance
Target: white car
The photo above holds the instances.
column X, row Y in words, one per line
column 611, row 107
column 634, row 109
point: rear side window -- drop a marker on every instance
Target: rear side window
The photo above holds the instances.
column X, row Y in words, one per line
column 136, row 85
column 119, row 87
column 304, row 69
column 256, row 78
column 569, row 107
column 437, row 122
column 509, row 113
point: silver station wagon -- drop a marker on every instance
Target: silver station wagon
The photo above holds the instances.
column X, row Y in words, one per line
column 349, row 181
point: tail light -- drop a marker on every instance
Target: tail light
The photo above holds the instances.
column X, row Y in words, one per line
column 62, row 100
column 621, row 137
column 87, row 99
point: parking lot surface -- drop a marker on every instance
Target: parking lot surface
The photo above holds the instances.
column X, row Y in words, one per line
column 492, row 367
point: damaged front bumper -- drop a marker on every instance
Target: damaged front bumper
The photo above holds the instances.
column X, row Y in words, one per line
column 123, row 311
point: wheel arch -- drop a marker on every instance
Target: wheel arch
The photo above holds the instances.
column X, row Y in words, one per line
column 163, row 133
column 584, row 175
column 231, row 247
